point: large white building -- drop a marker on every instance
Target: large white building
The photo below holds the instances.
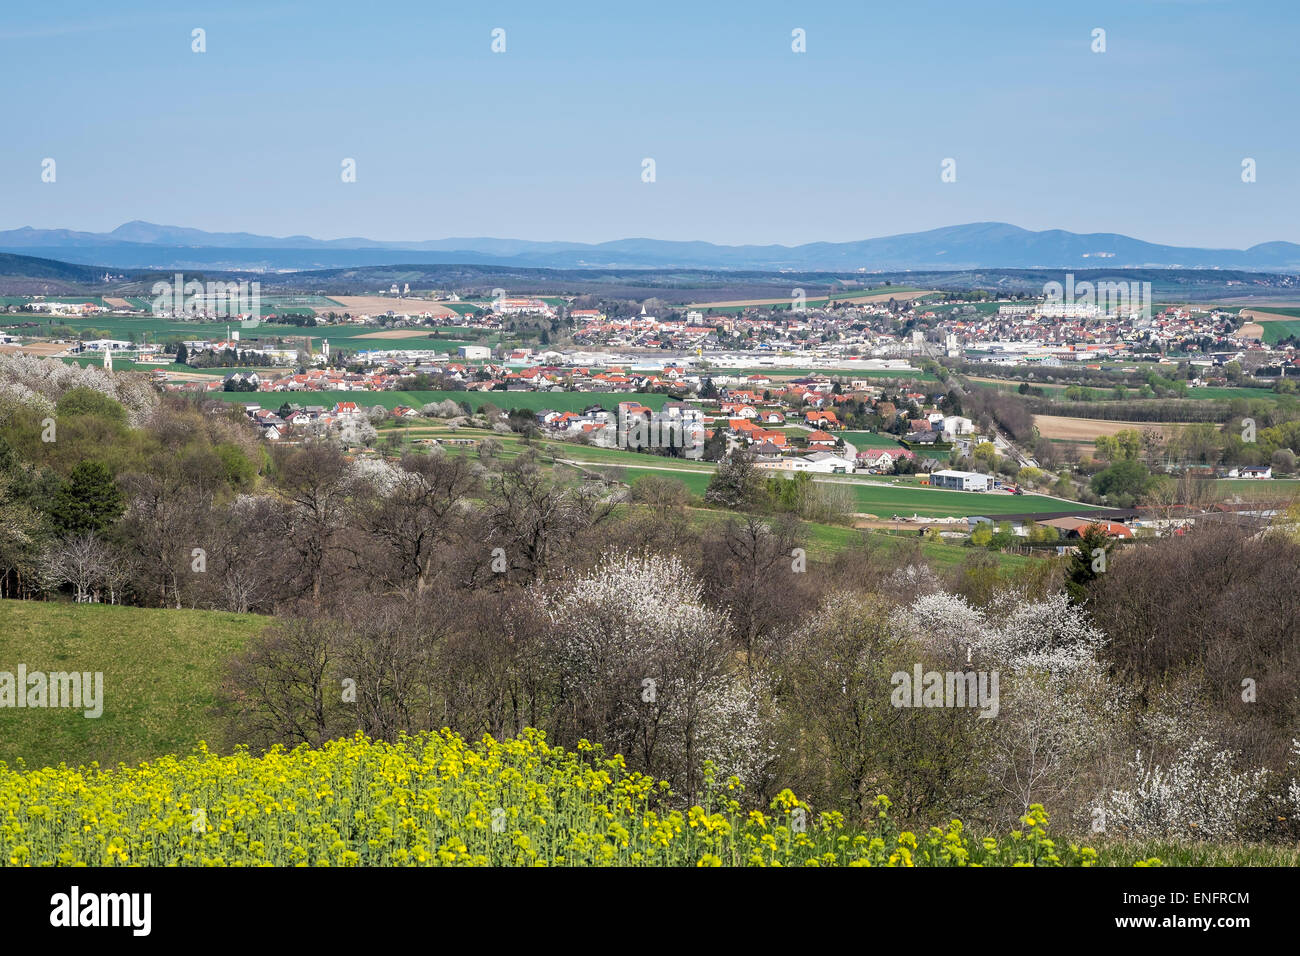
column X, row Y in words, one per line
column 955, row 425
column 960, row 480
column 819, row 462
column 521, row 306
column 1068, row 310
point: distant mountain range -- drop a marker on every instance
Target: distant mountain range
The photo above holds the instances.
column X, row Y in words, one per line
column 980, row 245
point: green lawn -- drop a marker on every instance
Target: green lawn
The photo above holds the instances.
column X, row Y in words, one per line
column 160, row 669
column 865, row 440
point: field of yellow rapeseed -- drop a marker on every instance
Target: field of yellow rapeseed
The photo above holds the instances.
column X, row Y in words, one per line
column 435, row 800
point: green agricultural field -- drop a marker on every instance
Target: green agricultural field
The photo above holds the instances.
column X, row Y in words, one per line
column 160, row 667
column 1274, row 332
column 885, row 501
column 980, row 308
column 560, row 401
column 1221, row 393
column 121, row 364
column 870, row 497
column 865, row 440
column 696, row 482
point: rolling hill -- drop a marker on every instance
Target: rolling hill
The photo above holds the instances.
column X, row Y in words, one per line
column 980, row 245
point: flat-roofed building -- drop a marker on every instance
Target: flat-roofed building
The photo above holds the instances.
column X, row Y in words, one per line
column 960, row 480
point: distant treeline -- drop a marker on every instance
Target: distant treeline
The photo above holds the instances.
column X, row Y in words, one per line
column 1055, row 375
column 1157, row 410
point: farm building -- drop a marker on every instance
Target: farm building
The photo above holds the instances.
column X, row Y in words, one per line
column 960, row 480
column 827, row 463
column 1075, row 527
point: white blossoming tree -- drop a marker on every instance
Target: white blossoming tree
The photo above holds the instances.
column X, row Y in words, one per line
column 644, row 666
column 1055, row 702
column 1199, row 795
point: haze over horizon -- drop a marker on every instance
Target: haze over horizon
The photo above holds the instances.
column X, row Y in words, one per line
column 142, row 224
column 753, row 143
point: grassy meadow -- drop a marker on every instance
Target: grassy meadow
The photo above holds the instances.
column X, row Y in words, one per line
column 160, row 672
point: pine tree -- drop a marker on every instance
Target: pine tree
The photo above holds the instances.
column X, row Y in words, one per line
column 88, row 501
column 1089, row 560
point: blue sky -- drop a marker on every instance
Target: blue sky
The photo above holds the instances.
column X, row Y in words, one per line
column 752, row 143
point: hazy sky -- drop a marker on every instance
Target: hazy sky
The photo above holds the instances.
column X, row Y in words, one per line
column 752, row 142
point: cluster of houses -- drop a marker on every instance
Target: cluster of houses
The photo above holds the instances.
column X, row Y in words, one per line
column 65, row 308
column 1064, row 335
column 275, row 426
column 791, row 428
column 396, row 370
column 849, row 326
column 754, row 419
column 646, row 331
